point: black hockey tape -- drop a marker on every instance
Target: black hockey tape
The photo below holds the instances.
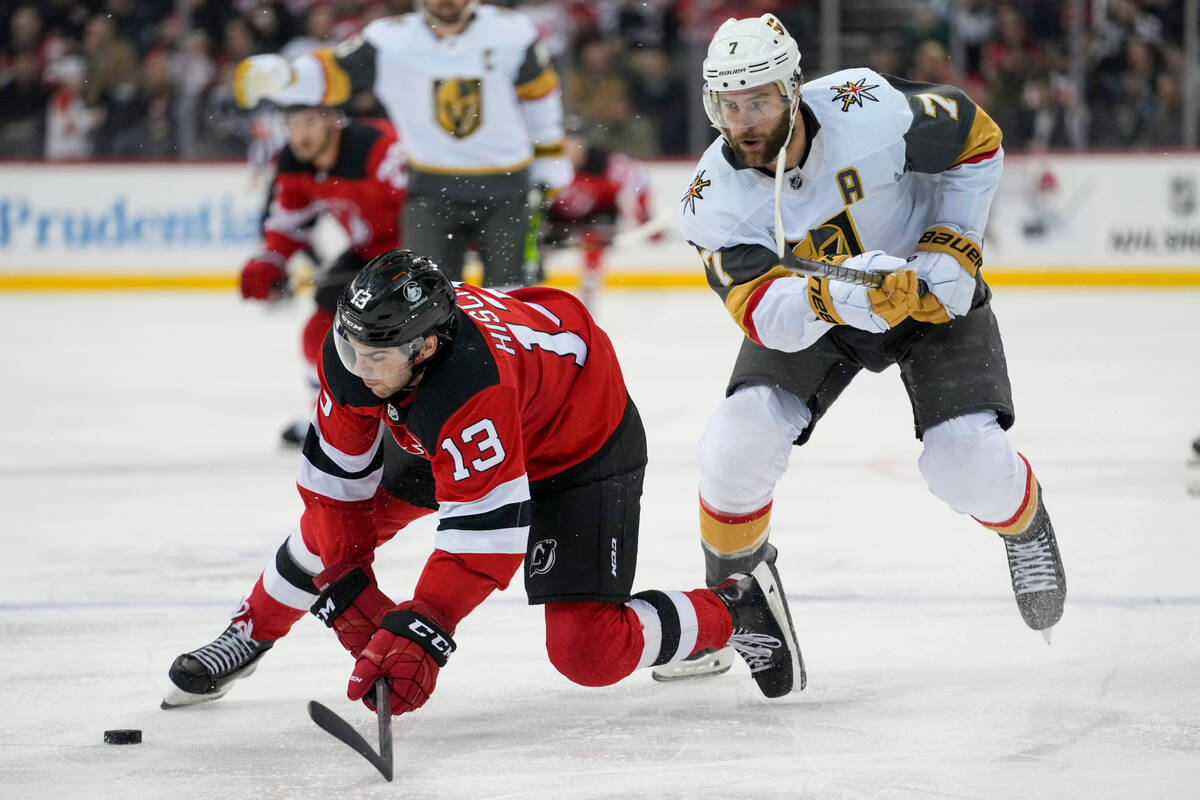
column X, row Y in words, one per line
column 123, row 736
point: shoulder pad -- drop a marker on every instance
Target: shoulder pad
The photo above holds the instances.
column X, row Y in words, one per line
column 724, row 206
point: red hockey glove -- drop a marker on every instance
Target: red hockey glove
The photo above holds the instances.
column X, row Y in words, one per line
column 263, row 279
column 350, row 603
column 409, row 648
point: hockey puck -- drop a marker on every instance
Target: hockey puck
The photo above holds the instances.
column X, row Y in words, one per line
column 123, row 736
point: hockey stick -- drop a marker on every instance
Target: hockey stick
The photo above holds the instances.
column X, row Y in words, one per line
column 341, row 730
column 530, row 269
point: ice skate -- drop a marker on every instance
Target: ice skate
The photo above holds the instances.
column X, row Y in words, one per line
column 294, row 434
column 1038, row 579
column 208, row 673
column 762, row 630
column 702, row 663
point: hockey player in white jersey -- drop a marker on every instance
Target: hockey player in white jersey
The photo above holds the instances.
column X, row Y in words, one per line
column 879, row 174
column 478, row 106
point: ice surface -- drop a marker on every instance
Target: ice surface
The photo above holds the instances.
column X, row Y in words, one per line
column 141, row 490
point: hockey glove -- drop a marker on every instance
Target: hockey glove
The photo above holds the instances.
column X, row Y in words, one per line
column 258, row 77
column 263, row 278
column 350, row 603
column 871, row 310
column 408, row 650
column 947, row 261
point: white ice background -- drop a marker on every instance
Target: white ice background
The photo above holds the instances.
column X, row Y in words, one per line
column 142, row 489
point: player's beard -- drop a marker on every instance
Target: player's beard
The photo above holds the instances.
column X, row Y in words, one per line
column 773, row 140
column 444, row 15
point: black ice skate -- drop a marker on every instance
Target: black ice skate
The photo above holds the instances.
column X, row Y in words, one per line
column 294, row 434
column 204, row 675
column 762, row 630
column 1038, row 579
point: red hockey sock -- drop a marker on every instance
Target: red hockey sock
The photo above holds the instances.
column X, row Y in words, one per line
column 269, row 618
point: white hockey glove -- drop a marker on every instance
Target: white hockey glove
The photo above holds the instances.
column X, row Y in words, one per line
column 947, row 261
column 552, row 173
column 871, row 310
column 258, row 77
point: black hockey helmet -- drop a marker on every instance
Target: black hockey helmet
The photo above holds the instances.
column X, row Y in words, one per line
column 397, row 297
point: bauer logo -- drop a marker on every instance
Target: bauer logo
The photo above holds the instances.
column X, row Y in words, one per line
column 541, row 557
column 413, row 291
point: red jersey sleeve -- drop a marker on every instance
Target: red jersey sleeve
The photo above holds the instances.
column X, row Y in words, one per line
column 484, row 506
column 340, row 470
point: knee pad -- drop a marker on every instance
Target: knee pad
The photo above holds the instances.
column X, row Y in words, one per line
column 970, row 465
column 745, row 447
column 592, row 644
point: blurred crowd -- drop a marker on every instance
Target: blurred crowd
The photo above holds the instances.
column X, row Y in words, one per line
column 1016, row 58
column 128, row 79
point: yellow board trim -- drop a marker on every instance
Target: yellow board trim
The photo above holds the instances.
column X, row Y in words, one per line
column 616, row 279
column 502, row 170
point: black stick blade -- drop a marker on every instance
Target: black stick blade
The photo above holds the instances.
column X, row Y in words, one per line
column 341, row 730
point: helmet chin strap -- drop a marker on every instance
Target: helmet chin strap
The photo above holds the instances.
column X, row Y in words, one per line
column 780, row 168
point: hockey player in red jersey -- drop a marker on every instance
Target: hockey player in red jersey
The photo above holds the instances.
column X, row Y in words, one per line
column 608, row 188
column 537, row 455
column 352, row 171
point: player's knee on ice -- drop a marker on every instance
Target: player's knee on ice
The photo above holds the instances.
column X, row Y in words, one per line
column 969, row 463
column 745, row 447
column 592, row 644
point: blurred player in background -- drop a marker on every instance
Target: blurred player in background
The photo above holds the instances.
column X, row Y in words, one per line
column 537, row 454
column 478, row 106
column 608, row 188
column 352, row 171
column 872, row 163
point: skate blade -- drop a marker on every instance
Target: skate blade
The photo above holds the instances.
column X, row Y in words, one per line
column 175, row 697
column 717, row 663
column 1046, row 633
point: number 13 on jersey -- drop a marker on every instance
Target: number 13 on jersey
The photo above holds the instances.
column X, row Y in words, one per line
column 479, row 437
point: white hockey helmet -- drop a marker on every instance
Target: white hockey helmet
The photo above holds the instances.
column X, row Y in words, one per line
column 748, row 53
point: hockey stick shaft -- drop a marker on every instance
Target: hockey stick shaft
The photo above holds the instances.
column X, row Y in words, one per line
column 834, row 272
column 341, row 730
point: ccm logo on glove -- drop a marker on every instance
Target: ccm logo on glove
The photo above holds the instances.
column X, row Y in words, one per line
column 428, row 636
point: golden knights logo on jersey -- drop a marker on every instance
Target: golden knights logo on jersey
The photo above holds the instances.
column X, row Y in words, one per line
column 852, row 93
column 458, row 104
column 695, row 191
column 835, row 236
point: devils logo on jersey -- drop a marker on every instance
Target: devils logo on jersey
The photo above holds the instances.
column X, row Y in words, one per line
column 541, row 558
column 459, row 105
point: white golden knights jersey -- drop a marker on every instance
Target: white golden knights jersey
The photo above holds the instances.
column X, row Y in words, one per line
column 485, row 101
column 889, row 164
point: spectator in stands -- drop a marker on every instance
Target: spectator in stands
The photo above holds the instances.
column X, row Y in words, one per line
column 1164, row 128
column 23, row 109
column 69, row 121
column 931, row 64
column 621, row 129
column 595, row 85
column 661, row 98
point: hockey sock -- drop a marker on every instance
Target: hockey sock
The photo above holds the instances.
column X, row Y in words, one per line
column 1019, row 521
column 732, row 542
column 677, row 624
column 283, row 592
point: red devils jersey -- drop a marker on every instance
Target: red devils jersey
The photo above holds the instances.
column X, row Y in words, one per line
column 363, row 191
column 606, row 186
column 529, row 387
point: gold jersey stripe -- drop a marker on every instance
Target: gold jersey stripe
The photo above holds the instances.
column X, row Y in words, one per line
column 420, row 167
column 337, row 82
column 963, row 249
column 983, row 138
column 729, row 539
column 552, row 150
column 542, row 85
column 739, row 296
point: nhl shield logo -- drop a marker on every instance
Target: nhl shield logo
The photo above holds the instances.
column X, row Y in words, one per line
column 541, row 557
column 458, row 105
column 393, row 414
